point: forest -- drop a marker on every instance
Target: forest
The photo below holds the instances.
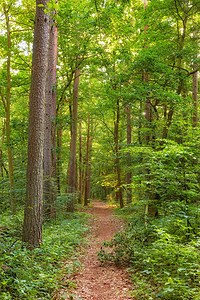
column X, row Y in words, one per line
column 99, row 100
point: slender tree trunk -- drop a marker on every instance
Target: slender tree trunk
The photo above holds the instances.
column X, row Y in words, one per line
column 129, row 173
column 195, row 100
column 140, row 124
column 147, row 102
column 72, row 168
column 7, row 110
column 32, row 227
column 118, row 193
column 1, row 151
column 80, row 164
column 148, row 120
column 150, row 208
column 88, row 166
column 168, row 121
column 58, row 161
column 181, row 80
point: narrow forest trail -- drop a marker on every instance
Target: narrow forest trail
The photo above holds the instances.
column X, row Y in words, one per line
column 96, row 282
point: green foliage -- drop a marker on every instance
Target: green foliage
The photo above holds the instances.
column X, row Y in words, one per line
column 170, row 173
column 37, row 274
column 122, row 250
column 160, row 263
column 107, row 41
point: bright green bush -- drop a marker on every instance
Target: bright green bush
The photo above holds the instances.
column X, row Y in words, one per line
column 36, row 274
column 162, row 264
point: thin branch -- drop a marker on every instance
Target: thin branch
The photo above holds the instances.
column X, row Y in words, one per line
column 178, row 11
column 192, row 72
column 104, row 122
column 95, row 2
column 3, row 100
column 173, row 66
column 64, row 90
column 181, row 6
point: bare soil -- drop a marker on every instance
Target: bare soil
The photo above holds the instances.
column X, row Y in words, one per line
column 96, row 282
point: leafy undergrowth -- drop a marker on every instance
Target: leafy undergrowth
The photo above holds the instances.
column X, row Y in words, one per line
column 37, row 274
column 163, row 257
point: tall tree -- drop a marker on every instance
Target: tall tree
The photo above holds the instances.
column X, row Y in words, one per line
column 53, row 121
column 47, row 130
column 72, row 167
column 118, row 192
column 195, row 99
column 88, row 164
column 58, row 159
column 32, row 227
column 50, row 117
column 7, row 103
column 129, row 173
column 80, row 187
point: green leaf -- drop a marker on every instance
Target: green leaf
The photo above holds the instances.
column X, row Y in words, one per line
column 40, row 5
column 56, row 6
column 50, row 5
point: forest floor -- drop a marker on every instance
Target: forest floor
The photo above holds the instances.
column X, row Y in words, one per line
column 94, row 281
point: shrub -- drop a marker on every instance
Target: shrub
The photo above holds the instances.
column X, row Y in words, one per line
column 35, row 274
column 160, row 263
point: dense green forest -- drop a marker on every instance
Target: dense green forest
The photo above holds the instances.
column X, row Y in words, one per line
column 99, row 100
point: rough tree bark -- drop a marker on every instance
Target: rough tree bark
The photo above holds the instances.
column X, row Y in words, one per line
column 53, row 121
column 47, row 130
column 49, row 133
column 32, row 227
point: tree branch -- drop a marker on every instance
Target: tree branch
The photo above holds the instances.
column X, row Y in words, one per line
column 3, row 100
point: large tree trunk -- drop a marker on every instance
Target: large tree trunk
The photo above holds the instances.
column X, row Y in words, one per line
column 72, row 168
column 7, row 110
column 53, row 122
column 47, row 131
column 32, row 227
column 49, row 134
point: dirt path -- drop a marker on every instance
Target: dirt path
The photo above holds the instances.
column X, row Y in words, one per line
column 96, row 282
